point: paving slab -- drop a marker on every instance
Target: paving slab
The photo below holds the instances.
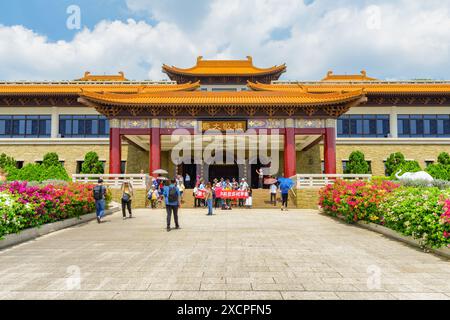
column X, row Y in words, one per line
column 238, row 254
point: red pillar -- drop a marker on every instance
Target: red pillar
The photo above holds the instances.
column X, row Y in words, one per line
column 289, row 153
column 330, row 151
column 115, row 151
column 155, row 150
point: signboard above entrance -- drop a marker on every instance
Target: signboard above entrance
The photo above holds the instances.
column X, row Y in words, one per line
column 224, row 125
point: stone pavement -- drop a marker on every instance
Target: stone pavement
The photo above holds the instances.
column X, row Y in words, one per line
column 238, row 254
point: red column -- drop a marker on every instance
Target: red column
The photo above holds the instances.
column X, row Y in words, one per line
column 115, row 151
column 330, row 151
column 289, row 153
column 155, row 150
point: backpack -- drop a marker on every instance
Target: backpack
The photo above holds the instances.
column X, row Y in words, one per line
column 98, row 192
column 173, row 195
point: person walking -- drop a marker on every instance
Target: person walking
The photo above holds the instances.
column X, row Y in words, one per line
column 284, row 196
column 273, row 194
column 153, row 196
column 209, row 198
column 172, row 199
column 99, row 197
column 127, row 195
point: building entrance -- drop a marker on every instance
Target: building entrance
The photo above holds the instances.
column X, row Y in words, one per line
column 226, row 171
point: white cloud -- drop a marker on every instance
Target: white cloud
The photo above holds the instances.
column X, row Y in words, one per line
column 401, row 39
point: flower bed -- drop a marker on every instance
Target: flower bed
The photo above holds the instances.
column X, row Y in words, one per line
column 23, row 206
column 423, row 213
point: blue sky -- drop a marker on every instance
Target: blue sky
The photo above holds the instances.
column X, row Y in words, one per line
column 391, row 39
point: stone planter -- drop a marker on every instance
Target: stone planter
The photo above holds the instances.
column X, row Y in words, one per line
column 33, row 233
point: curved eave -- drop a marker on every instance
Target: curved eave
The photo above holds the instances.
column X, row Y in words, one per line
column 192, row 73
column 76, row 90
column 224, row 99
column 368, row 89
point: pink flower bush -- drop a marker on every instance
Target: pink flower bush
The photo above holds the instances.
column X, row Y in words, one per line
column 49, row 203
column 358, row 200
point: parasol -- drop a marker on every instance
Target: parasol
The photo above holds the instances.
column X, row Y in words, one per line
column 160, row 171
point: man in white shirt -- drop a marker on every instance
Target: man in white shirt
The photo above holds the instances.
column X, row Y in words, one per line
column 273, row 194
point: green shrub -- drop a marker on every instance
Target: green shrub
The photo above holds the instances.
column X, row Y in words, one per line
column 444, row 158
column 37, row 172
column 51, row 159
column 417, row 212
column 357, row 164
column 6, row 161
column 393, row 161
column 92, row 164
column 439, row 171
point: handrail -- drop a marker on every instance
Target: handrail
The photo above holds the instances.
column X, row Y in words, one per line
column 321, row 180
column 113, row 180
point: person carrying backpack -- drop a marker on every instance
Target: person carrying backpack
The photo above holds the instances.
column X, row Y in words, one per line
column 153, row 196
column 127, row 194
column 99, row 197
column 172, row 199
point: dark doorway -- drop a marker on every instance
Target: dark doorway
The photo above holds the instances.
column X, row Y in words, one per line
column 191, row 170
column 226, row 171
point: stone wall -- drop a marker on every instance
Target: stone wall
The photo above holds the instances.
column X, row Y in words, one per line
column 138, row 200
column 307, row 198
column 377, row 153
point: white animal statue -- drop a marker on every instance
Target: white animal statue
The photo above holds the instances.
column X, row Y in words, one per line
column 419, row 176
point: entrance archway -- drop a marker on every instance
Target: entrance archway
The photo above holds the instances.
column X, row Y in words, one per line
column 226, row 171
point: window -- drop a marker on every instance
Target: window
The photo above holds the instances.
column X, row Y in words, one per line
column 123, row 165
column 223, row 89
column 35, row 126
column 19, row 164
column 344, row 165
column 363, row 125
column 423, row 125
column 83, row 126
column 428, row 162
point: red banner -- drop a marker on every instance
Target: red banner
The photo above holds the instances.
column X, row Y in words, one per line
column 231, row 194
column 224, row 194
column 200, row 194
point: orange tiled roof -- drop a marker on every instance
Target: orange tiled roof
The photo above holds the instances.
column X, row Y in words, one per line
column 378, row 87
column 89, row 77
column 224, row 68
column 73, row 88
column 351, row 77
column 223, row 98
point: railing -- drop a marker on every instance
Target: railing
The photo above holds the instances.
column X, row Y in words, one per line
column 321, row 180
column 113, row 180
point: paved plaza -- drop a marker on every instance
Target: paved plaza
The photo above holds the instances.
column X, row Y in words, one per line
column 238, row 254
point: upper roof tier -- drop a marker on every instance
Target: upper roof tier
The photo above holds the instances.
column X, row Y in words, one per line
column 224, row 72
column 90, row 77
column 350, row 77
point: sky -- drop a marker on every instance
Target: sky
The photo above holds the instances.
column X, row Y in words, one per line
column 61, row 39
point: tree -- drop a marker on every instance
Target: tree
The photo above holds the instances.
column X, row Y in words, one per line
column 92, row 164
column 6, row 161
column 51, row 159
column 444, row 158
column 394, row 161
column 357, row 164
